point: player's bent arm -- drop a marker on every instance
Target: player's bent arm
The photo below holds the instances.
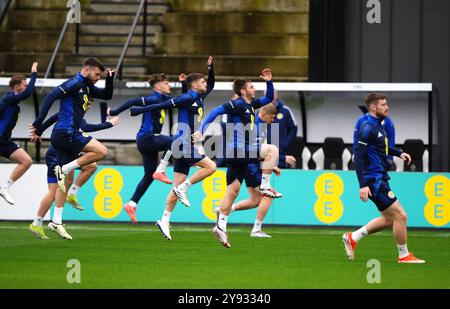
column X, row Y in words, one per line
column 134, row 111
column 392, row 151
column 47, row 123
column 220, row 110
column 179, row 101
column 127, row 105
column 104, row 93
column 87, row 127
column 54, row 95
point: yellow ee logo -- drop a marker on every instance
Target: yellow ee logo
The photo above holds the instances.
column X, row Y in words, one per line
column 108, row 203
column 214, row 187
column 329, row 208
column 437, row 191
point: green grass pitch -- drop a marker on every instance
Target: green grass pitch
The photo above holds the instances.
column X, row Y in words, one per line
column 127, row 256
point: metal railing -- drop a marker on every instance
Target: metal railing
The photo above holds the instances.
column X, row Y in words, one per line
column 142, row 9
column 50, row 67
column 4, row 6
column 119, row 65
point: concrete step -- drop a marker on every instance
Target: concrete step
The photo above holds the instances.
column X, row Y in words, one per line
column 35, row 41
column 126, row 7
column 21, row 61
column 99, row 49
column 225, row 65
column 232, row 44
column 93, row 17
column 127, row 1
column 288, row 23
column 36, row 20
column 115, row 38
column 117, row 28
column 54, row 19
column 110, row 59
column 128, row 69
column 46, row 4
column 286, row 6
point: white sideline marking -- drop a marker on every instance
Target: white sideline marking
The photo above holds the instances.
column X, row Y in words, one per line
column 205, row 229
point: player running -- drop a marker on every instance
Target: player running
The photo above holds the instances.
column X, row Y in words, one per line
column 242, row 152
column 51, row 161
column 253, row 176
column 66, row 137
column 9, row 113
column 371, row 163
column 149, row 139
column 186, row 154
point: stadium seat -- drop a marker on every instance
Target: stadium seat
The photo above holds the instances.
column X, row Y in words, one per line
column 333, row 155
column 301, row 153
column 419, row 156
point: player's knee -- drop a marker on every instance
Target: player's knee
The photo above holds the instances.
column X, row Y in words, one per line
column 234, row 192
column 388, row 223
column 400, row 215
column 27, row 162
column 103, row 152
column 93, row 167
column 255, row 199
column 403, row 216
column 212, row 167
column 274, row 149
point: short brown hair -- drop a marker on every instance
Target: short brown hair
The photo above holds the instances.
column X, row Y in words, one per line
column 16, row 80
column 193, row 77
column 157, row 78
column 374, row 97
column 94, row 62
column 269, row 109
column 239, row 84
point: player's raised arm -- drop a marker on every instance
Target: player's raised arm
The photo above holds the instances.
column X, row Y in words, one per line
column 266, row 74
column 15, row 99
column 211, row 77
column 182, row 80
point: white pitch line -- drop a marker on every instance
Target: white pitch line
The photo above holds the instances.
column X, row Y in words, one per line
column 202, row 230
